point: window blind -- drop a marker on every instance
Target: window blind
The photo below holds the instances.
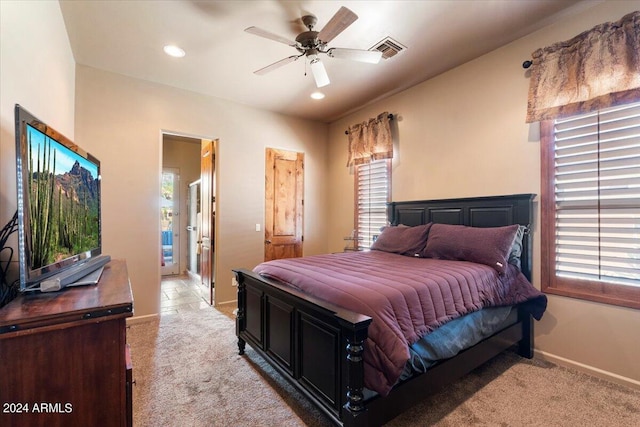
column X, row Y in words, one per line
column 373, row 191
column 597, row 196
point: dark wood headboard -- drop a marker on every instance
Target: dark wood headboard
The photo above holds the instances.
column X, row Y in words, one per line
column 491, row 211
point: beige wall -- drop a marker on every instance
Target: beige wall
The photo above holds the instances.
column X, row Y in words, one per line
column 42, row 80
column 120, row 120
column 463, row 134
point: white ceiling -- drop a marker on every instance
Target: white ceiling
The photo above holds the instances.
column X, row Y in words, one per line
column 127, row 37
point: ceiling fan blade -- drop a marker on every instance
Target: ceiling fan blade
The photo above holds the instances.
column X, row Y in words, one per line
column 278, row 64
column 369, row 56
column 319, row 73
column 337, row 24
column 269, row 35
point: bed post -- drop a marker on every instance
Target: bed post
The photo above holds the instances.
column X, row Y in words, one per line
column 354, row 411
column 240, row 314
column 525, row 346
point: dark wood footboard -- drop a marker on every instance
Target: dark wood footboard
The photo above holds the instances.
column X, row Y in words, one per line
column 315, row 345
column 318, row 346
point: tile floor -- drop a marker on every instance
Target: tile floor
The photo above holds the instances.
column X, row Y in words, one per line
column 180, row 293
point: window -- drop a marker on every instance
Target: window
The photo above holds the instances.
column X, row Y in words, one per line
column 590, row 207
column 373, row 191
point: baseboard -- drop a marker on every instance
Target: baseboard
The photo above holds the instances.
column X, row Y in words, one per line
column 226, row 302
column 143, row 319
column 193, row 276
column 593, row 371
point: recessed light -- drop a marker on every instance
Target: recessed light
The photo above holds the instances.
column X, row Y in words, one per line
column 174, row 51
column 317, row 95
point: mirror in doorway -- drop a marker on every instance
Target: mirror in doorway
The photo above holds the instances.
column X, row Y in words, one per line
column 194, row 228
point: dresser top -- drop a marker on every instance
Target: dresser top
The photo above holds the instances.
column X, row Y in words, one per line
column 110, row 297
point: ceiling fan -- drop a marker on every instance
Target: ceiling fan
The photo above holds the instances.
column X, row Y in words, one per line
column 312, row 43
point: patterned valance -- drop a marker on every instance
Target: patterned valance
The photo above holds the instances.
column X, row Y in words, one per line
column 370, row 140
column 597, row 69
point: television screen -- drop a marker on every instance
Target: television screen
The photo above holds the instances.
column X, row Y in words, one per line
column 58, row 201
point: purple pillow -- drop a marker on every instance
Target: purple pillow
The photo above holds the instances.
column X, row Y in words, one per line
column 490, row 246
column 402, row 240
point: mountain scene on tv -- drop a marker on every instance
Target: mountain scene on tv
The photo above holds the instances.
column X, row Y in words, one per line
column 63, row 200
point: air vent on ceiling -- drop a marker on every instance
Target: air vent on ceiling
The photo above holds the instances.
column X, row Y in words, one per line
column 389, row 47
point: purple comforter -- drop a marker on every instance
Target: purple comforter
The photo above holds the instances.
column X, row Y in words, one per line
column 406, row 297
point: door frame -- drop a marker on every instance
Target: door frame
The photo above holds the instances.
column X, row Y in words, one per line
column 211, row 208
column 198, row 140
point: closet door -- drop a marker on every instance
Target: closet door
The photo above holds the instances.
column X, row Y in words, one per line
column 284, row 204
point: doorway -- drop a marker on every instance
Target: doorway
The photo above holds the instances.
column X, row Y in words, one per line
column 182, row 212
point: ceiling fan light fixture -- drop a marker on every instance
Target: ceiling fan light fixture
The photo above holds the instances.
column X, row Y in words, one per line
column 312, row 54
column 317, row 95
column 319, row 73
column 175, row 51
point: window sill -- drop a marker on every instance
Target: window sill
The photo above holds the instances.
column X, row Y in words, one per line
column 622, row 296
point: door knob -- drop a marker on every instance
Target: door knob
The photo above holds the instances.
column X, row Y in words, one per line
column 268, row 242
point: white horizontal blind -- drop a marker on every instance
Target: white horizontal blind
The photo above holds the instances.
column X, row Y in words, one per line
column 373, row 193
column 597, row 196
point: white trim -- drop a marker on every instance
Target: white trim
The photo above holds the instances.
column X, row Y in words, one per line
column 143, row 319
column 234, row 302
column 587, row 369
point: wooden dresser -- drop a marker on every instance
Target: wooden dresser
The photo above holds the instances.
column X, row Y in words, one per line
column 64, row 360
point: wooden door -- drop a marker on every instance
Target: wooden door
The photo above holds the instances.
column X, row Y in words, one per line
column 284, row 203
column 207, row 200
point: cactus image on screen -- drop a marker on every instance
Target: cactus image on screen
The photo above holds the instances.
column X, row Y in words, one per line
column 64, row 201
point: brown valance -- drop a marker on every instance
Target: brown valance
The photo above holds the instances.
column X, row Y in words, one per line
column 370, row 140
column 597, row 69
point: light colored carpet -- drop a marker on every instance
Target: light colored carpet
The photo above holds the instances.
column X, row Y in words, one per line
column 188, row 373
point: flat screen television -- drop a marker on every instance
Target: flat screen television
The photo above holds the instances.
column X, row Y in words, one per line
column 59, row 224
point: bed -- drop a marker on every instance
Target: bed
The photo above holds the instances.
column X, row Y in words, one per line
column 331, row 353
